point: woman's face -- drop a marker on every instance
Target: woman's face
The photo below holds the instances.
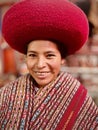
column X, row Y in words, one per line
column 43, row 61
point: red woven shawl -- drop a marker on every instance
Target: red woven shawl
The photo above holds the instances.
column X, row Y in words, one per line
column 54, row 107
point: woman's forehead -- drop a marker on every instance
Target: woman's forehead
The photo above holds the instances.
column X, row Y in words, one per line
column 42, row 43
column 44, row 46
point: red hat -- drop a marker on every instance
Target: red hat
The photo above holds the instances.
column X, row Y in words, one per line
column 58, row 20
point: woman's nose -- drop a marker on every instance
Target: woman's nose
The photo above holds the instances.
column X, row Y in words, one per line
column 41, row 62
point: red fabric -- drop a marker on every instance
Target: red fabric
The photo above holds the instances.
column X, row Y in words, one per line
column 69, row 117
column 58, row 20
column 22, row 108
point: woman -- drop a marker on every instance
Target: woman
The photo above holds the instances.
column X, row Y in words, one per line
column 46, row 98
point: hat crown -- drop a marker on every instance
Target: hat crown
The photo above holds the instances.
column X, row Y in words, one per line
column 59, row 20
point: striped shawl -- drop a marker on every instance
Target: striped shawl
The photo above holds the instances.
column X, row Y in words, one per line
column 61, row 105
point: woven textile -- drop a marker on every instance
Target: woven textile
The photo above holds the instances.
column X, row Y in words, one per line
column 62, row 104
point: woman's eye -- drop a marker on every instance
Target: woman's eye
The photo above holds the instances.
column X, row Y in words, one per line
column 50, row 55
column 31, row 55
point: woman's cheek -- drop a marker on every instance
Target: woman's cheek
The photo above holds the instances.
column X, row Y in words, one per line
column 29, row 63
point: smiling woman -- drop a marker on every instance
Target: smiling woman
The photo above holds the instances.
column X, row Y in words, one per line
column 43, row 61
column 46, row 31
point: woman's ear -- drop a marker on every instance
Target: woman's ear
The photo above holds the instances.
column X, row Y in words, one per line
column 63, row 62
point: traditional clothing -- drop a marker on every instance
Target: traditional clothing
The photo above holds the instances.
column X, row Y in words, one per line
column 62, row 105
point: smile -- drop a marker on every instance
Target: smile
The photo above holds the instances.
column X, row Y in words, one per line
column 37, row 72
column 41, row 73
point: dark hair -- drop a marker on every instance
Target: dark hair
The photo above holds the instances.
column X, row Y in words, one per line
column 61, row 47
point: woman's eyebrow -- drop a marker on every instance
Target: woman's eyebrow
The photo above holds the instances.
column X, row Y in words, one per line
column 50, row 51
column 30, row 51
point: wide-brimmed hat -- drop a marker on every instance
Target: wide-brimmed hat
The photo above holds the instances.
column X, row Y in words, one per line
column 57, row 20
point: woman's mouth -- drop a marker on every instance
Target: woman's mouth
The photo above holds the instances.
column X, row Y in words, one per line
column 41, row 74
